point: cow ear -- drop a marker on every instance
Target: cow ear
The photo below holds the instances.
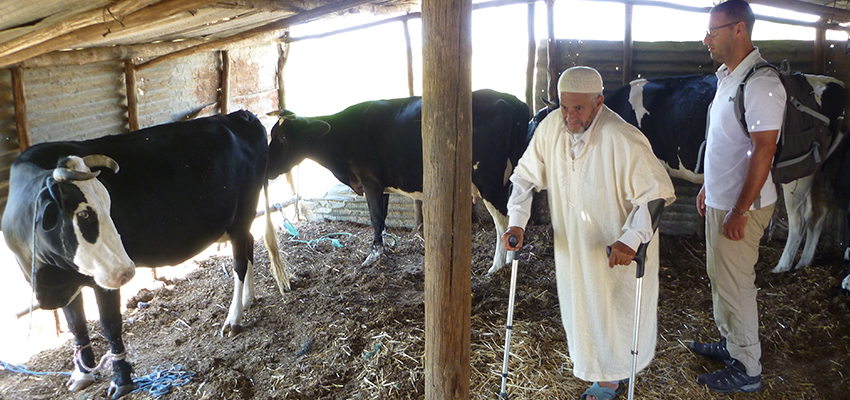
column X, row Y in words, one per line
column 283, row 114
column 49, row 216
column 319, row 128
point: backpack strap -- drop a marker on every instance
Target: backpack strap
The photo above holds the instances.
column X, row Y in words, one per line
column 739, row 97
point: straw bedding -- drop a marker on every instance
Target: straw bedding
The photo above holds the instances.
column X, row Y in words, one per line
column 349, row 332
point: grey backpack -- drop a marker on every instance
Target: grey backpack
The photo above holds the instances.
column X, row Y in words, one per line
column 804, row 137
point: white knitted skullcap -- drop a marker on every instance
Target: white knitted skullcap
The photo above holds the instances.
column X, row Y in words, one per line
column 580, row 80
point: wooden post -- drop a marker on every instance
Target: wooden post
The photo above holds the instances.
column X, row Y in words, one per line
column 447, row 160
column 225, row 83
column 820, row 48
column 282, row 58
column 132, row 95
column 628, row 49
column 532, row 57
column 20, row 100
column 552, row 51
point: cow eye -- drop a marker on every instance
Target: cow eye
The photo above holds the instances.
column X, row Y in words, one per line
column 85, row 214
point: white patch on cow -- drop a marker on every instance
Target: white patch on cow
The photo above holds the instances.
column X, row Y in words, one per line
column 105, row 260
column 636, row 99
column 683, row 173
column 237, row 308
column 501, row 223
column 475, row 166
column 509, row 169
column 819, row 83
column 798, row 204
column 248, row 293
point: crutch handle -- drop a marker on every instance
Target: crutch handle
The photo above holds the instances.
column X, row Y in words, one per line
column 513, row 241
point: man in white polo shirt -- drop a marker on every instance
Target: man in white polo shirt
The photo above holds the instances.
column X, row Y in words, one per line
column 738, row 196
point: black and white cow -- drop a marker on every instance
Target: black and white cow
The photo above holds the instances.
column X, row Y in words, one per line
column 671, row 112
column 375, row 147
column 181, row 187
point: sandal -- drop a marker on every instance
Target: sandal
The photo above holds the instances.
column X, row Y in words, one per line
column 604, row 393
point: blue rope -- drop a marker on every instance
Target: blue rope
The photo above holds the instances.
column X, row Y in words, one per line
column 22, row 369
column 159, row 383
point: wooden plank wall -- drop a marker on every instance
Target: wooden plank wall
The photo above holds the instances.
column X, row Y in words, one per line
column 79, row 102
column 8, row 134
column 75, row 102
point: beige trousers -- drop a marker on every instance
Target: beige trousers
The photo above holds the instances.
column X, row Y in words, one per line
column 731, row 269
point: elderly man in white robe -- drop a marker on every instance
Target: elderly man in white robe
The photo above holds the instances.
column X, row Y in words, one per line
column 600, row 173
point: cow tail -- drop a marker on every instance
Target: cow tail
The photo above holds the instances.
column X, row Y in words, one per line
column 277, row 267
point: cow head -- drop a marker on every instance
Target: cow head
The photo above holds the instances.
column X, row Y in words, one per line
column 74, row 222
column 291, row 136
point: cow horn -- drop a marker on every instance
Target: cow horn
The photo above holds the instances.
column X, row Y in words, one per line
column 66, row 174
column 100, row 160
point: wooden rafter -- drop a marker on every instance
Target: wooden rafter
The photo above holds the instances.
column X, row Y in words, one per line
column 143, row 17
column 51, row 30
column 302, row 17
column 838, row 15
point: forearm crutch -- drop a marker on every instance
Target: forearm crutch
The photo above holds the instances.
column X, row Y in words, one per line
column 655, row 208
column 513, row 241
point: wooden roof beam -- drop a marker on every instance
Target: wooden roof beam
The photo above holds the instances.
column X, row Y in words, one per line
column 49, row 31
column 837, row 15
column 299, row 18
column 140, row 18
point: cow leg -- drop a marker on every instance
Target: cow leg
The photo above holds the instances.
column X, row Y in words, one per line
column 798, row 204
column 243, row 294
column 387, row 240
column 378, row 205
column 501, row 223
column 81, row 376
column 812, row 235
column 109, row 304
column 845, row 284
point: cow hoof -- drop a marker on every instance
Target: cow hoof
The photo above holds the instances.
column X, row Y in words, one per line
column 494, row 269
column 116, row 392
column 79, row 381
column 374, row 256
column 780, row 269
column 231, row 330
column 800, row 266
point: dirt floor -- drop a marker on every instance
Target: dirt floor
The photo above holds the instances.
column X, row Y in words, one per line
column 349, row 332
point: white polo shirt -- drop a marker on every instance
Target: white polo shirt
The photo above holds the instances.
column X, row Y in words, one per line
column 728, row 148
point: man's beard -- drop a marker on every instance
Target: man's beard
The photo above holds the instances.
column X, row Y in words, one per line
column 583, row 129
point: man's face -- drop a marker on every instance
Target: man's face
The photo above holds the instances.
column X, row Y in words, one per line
column 719, row 36
column 579, row 109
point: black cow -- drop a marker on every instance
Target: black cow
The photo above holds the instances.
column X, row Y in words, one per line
column 375, row 147
column 181, row 187
column 672, row 112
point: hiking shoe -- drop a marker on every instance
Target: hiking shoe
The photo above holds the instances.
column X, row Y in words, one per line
column 731, row 379
column 715, row 351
